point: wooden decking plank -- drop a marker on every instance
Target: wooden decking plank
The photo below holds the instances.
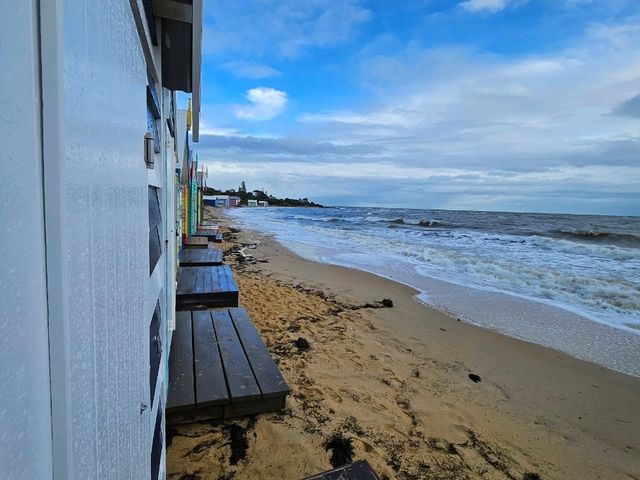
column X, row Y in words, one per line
column 209, row 234
column 215, row 280
column 181, row 393
column 210, row 385
column 240, row 379
column 360, row 470
column 194, row 289
column 232, row 281
column 198, row 286
column 186, row 279
column 267, row 373
column 208, row 286
column 195, row 257
column 222, row 278
column 196, row 242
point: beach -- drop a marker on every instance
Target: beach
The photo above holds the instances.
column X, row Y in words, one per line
column 416, row 393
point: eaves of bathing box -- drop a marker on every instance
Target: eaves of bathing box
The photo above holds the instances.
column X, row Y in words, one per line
column 99, row 188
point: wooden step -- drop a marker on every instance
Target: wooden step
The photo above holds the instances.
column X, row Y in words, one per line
column 200, row 257
column 206, row 287
column 220, row 368
column 209, row 234
column 360, row 470
column 196, row 242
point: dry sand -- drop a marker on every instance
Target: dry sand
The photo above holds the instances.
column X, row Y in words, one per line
column 394, row 384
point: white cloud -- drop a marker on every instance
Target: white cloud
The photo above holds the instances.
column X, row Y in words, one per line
column 264, row 104
column 251, row 70
column 488, row 5
column 280, row 28
column 455, row 106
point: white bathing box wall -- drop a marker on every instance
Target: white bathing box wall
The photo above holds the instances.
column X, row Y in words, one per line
column 94, row 79
column 25, row 420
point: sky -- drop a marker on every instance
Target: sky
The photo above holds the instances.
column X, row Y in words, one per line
column 508, row 105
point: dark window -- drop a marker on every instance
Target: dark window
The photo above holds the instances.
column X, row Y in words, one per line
column 153, row 112
column 155, row 221
column 155, row 349
column 156, row 448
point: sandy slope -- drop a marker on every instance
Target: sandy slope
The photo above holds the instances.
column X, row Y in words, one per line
column 394, row 382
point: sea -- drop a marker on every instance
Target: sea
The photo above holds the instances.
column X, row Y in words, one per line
column 568, row 282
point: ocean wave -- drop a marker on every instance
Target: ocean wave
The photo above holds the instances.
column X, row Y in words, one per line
column 424, row 223
column 620, row 239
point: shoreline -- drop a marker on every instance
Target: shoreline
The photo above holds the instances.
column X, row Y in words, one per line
column 395, row 381
column 518, row 316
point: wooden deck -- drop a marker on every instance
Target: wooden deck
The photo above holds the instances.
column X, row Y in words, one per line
column 220, row 368
column 217, row 238
column 200, row 257
column 207, row 227
column 360, row 470
column 206, row 287
column 208, row 234
column 197, row 242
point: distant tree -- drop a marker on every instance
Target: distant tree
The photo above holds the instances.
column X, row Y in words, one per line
column 242, row 188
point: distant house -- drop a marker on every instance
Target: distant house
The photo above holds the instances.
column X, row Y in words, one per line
column 234, row 201
column 216, row 200
column 252, row 203
column 263, row 203
column 222, row 200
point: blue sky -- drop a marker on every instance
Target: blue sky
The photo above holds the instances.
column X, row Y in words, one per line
column 478, row 104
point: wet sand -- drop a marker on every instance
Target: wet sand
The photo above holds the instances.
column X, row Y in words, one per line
column 394, row 386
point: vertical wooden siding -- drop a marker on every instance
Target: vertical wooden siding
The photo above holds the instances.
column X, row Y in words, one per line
column 96, row 208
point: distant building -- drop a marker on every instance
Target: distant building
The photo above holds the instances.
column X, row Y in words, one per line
column 263, row 203
column 234, row 201
column 216, row 200
column 252, row 203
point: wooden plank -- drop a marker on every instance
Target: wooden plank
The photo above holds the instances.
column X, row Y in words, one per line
column 194, row 291
column 270, row 380
column 210, row 385
column 181, row 393
column 218, row 238
column 255, row 407
column 186, row 279
column 208, row 286
column 199, row 287
column 232, row 286
column 196, row 242
column 209, row 234
column 240, row 380
column 220, row 275
column 360, row 470
column 196, row 257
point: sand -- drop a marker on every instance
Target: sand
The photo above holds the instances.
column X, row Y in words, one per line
column 394, row 386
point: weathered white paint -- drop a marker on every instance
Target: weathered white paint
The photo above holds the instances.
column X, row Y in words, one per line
column 94, row 120
column 25, row 420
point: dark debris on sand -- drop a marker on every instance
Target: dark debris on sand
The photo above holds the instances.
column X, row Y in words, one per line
column 302, row 344
column 475, row 378
column 341, row 450
column 238, row 441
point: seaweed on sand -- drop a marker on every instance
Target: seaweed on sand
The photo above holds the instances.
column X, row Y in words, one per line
column 341, row 450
